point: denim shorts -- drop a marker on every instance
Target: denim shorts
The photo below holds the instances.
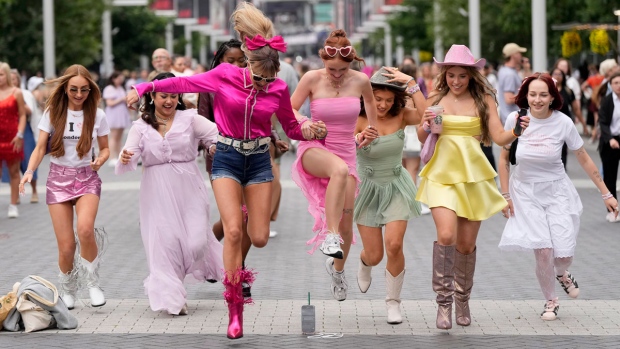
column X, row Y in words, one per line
column 245, row 169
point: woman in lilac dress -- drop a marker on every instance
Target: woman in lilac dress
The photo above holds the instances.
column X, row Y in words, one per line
column 116, row 113
column 174, row 206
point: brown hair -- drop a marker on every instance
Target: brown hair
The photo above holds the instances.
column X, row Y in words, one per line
column 521, row 98
column 58, row 103
column 478, row 88
column 249, row 21
column 338, row 38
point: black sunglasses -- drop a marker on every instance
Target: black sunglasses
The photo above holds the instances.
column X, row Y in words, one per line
column 259, row 78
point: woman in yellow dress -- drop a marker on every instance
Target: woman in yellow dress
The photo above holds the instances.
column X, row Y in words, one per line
column 458, row 182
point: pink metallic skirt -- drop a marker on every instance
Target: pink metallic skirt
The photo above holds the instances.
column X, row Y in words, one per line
column 69, row 183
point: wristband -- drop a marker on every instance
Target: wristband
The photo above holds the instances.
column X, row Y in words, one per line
column 20, row 135
column 413, row 89
column 607, row 196
column 514, row 134
column 28, row 172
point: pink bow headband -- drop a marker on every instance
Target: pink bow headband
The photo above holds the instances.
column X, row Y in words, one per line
column 276, row 43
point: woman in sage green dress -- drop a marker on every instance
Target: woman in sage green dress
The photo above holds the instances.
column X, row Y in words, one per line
column 387, row 193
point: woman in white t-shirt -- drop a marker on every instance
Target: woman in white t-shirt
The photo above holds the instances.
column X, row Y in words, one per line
column 71, row 122
column 543, row 205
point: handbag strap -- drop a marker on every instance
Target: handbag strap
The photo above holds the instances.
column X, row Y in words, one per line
column 51, row 286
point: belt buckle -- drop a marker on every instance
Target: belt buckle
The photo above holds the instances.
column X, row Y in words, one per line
column 248, row 144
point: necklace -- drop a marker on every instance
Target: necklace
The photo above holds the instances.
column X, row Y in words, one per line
column 335, row 84
column 165, row 122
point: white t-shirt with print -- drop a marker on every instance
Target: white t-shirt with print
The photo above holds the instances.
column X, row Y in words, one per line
column 73, row 131
column 539, row 150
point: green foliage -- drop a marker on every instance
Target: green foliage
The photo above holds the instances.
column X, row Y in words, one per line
column 140, row 32
column 501, row 22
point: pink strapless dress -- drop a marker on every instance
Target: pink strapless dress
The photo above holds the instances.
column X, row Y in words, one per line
column 340, row 117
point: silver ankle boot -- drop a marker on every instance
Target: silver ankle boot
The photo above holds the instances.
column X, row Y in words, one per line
column 89, row 274
column 68, row 287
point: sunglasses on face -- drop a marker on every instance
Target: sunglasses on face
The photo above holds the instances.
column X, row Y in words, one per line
column 258, row 78
column 332, row 51
column 74, row 90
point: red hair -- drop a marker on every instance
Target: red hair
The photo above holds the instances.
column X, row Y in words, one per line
column 521, row 98
column 338, row 38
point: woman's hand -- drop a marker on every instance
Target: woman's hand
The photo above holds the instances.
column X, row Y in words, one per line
column 429, row 115
column 126, row 156
column 368, row 135
column 319, row 129
column 18, row 144
column 27, row 178
column 96, row 165
column 306, row 130
column 509, row 210
column 132, row 98
column 212, row 150
column 612, row 205
column 397, row 76
column 613, row 143
column 282, row 146
column 525, row 121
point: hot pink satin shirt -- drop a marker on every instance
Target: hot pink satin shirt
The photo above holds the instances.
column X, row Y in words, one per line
column 240, row 110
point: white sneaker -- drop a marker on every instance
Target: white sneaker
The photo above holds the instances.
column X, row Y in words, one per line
column 339, row 284
column 13, row 212
column 331, row 245
column 551, row 310
column 425, row 209
column 273, row 233
column 610, row 217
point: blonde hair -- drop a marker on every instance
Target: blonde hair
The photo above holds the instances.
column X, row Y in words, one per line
column 7, row 71
column 58, row 103
column 248, row 21
column 478, row 88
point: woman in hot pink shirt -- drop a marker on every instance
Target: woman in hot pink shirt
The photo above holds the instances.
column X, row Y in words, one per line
column 244, row 100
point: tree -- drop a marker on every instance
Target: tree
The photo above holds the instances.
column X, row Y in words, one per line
column 138, row 32
column 77, row 28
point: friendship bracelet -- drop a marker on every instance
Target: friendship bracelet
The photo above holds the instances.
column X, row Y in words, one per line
column 607, row 196
column 356, row 140
column 426, row 128
column 413, row 89
column 514, row 134
column 28, row 172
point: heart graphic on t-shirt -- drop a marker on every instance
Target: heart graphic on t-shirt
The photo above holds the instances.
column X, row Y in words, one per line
column 79, row 126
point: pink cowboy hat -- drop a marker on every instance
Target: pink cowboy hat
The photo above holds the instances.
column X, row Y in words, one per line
column 461, row 55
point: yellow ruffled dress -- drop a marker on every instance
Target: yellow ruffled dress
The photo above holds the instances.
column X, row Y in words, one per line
column 459, row 176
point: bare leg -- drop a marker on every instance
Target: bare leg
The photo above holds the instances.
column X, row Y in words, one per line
column 394, row 236
column 228, row 195
column 14, row 178
column 62, row 220
column 86, row 210
column 346, row 223
column 323, row 164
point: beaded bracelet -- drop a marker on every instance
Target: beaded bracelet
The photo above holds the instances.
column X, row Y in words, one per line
column 413, row 89
column 426, row 128
column 506, row 196
column 607, row 196
column 28, row 172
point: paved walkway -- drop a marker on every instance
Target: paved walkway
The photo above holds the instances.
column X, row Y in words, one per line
column 506, row 301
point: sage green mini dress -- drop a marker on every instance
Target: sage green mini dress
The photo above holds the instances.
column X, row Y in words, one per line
column 387, row 192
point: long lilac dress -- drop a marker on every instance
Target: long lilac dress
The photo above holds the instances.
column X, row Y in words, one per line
column 174, row 207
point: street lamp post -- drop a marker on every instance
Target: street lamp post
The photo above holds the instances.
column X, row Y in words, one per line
column 49, row 40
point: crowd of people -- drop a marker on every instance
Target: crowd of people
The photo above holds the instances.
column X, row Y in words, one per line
column 358, row 160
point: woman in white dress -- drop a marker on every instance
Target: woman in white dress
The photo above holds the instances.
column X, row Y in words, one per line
column 543, row 205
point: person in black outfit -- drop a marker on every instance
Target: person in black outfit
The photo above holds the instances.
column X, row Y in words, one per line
column 609, row 144
column 568, row 99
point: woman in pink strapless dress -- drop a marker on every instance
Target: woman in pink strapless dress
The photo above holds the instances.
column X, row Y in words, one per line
column 325, row 169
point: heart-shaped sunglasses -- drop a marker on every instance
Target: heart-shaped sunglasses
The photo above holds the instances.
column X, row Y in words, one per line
column 332, row 51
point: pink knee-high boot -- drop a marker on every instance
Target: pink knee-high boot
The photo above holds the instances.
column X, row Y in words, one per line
column 234, row 298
